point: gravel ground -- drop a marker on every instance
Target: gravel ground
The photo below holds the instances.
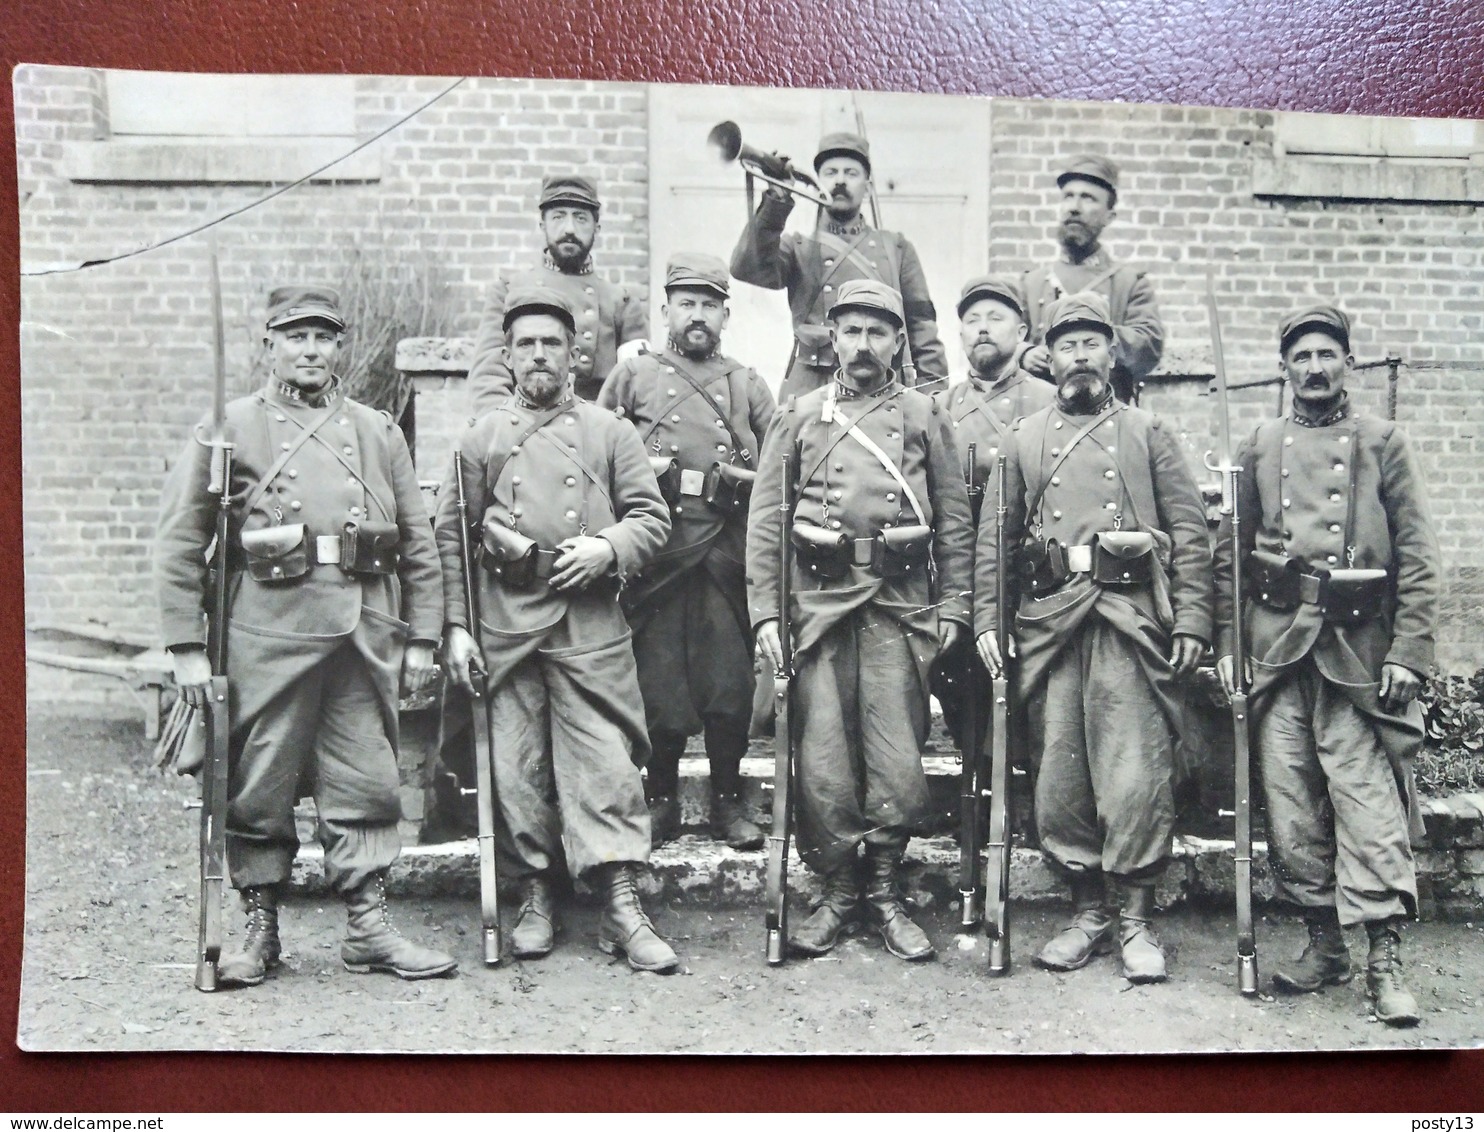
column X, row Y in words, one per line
column 109, row 942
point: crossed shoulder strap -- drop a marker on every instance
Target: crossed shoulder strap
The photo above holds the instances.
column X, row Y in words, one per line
column 1034, row 501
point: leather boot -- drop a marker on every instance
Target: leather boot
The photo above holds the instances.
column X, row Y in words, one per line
column 837, row 906
column 372, row 944
column 625, row 929
column 260, row 948
column 535, row 924
column 730, row 823
column 902, row 937
column 1394, row 1004
column 1325, row 961
column 1089, row 933
column 664, row 819
column 1143, row 957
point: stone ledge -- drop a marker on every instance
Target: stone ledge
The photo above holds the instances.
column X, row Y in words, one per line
column 193, row 161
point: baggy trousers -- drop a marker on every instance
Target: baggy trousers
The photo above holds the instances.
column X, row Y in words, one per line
column 1104, row 791
column 329, row 724
column 862, row 717
column 564, row 774
column 1337, row 828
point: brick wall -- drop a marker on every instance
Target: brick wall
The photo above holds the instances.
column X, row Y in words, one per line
column 116, row 360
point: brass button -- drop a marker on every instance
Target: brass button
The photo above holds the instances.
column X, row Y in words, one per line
column 279, row 417
column 1285, row 473
column 835, row 524
column 515, row 480
column 837, row 494
column 839, row 467
column 1056, row 424
column 293, row 473
column 1109, row 474
column 1056, row 481
column 348, row 450
column 1334, row 528
column 1056, row 451
column 1288, row 503
column 285, row 446
column 295, row 505
column 1056, row 514
column 891, row 497
column 355, row 510
column 828, row 288
column 675, row 419
column 1334, row 497
column 569, row 420
column 571, row 481
column 674, row 448
column 1288, row 440
column 516, row 511
column 1339, row 467
column 721, row 447
column 1331, row 559
column 1109, row 506
column 669, row 393
column 571, row 514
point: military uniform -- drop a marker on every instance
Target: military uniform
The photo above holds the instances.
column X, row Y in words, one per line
column 314, row 661
column 606, row 315
column 1138, row 330
column 688, row 606
column 863, row 643
column 1093, row 658
column 1343, row 491
column 813, row 267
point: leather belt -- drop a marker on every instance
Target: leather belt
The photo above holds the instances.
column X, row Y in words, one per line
column 545, row 560
column 860, row 551
column 1310, row 588
column 692, row 482
column 327, row 550
column 1079, row 558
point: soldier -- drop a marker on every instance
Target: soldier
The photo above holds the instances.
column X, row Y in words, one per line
column 1113, row 593
column 1089, row 199
column 569, row 510
column 983, row 409
column 707, row 414
column 879, row 498
column 317, row 648
column 842, row 247
column 1341, row 613
column 607, row 314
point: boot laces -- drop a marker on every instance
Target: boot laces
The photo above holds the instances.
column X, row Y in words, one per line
column 385, row 908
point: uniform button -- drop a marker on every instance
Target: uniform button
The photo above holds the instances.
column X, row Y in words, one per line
column 721, row 424
column 1112, row 448
column 348, row 450
column 1285, row 473
column 285, row 446
column 674, row 448
column 1056, row 451
column 955, row 424
column 569, row 420
column 669, row 393
column 279, row 417
column 1287, row 534
column 1108, row 506
column 1331, row 559
column 994, row 451
column 828, row 288
column 351, row 481
column 891, row 497
column 590, row 312
column 571, row 481
column 1334, row 528
column 515, row 449
column 839, row 467
column 1288, row 503
column 1056, row 514
column 1108, row 424
column 515, row 480
column 1339, row 467
column 1055, row 481
column 295, row 505
column 678, row 509
column 870, row 243
column 829, row 263
column 587, row 290
column 1056, row 424
column 355, row 510
column 573, row 514
column 345, row 420
column 721, row 447
column 837, row 494
column 1342, row 438
column 516, row 511
column 1288, row 440
column 1004, row 401
column 675, row 419
column 583, row 358
column 1109, row 474
column 1334, row 497
column 293, row 473
column 834, row 524
column 891, row 436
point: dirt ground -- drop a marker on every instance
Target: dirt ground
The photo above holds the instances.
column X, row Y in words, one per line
column 110, row 936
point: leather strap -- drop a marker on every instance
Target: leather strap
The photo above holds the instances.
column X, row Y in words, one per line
column 539, row 423
column 287, row 454
column 830, row 447
column 679, row 366
column 854, row 432
column 1082, row 434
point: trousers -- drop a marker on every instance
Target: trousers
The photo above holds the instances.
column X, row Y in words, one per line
column 861, row 719
column 1337, row 828
column 1104, row 790
column 325, row 728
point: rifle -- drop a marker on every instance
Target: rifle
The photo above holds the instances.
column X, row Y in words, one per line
column 489, row 898
column 969, row 786
column 213, row 840
column 997, row 869
column 776, row 919
column 1241, row 724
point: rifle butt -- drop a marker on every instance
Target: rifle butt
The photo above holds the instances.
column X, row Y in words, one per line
column 997, row 875
column 489, row 892
column 1246, row 929
column 213, row 842
column 776, row 921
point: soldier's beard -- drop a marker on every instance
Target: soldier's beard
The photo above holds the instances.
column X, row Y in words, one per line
column 696, row 341
column 541, row 386
column 1081, row 387
column 988, row 360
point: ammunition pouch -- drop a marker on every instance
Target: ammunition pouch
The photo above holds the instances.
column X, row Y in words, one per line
column 900, row 552
column 1353, row 597
column 276, row 554
column 667, row 474
column 822, row 553
column 509, row 556
column 1043, row 567
column 370, row 548
column 1123, row 558
column 814, row 347
column 728, row 488
column 1275, row 580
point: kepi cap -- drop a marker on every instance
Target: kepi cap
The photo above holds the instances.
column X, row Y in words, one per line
column 1005, row 288
column 535, row 299
column 570, row 189
column 867, row 294
column 301, row 303
column 698, row 270
column 847, row 144
column 1331, row 320
column 1091, row 167
column 1083, row 308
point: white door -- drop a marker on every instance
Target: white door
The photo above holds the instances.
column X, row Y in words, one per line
column 930, row 163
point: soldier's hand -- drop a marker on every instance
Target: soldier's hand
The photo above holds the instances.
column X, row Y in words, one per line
column 460, row 656
column 581, row 561
column 950, row 633
column 192, row 671
column 419, row 668
column 1399, row 686
column 768, row 644
column 989, row 652
column 1037, row 360
column 1185, row 654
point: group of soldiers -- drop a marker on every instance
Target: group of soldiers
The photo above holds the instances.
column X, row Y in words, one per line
column 626, row 499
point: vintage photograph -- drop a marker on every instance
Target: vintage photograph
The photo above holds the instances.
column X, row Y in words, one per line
column 564, row 566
